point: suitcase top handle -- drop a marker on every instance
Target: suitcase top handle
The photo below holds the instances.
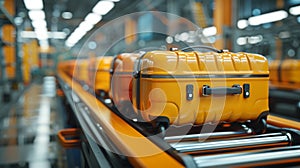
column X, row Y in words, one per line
column 203, row 47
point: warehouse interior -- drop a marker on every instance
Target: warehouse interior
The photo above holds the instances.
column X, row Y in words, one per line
column 141, row 83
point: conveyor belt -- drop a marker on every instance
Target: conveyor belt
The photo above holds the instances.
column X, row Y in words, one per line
column 135, row 147
column 121, row 135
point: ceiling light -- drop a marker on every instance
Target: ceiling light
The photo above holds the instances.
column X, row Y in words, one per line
column 242, row 24
column 241, row 40
column 28, row 34
column 67, row 15
column 103, row 7
column 255, row 39
column 114, row 0
column 68, row 44
column 85, row 26
column 43, row 42
column 34, row 4
column 39, row 23
column 93, row 18
column 268, row 18
column 209, row 31
column 295, row 10
column 36, row 15
column 42, row 36
column 57, row 35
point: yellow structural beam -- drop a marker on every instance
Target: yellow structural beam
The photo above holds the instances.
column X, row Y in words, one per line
column 222, row 17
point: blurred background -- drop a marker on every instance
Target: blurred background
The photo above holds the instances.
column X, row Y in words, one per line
column 37, row 35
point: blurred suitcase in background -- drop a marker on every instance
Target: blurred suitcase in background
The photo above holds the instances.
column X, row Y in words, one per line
column 121, row 80
column 285, row 73
column 99, row 74
column 199, row 88
column 82, row 71
column 290, row 71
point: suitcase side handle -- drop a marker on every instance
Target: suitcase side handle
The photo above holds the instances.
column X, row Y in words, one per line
column 203, row 47
column 207, row 90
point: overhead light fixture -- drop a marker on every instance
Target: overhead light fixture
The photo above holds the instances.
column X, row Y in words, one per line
column 268, row 18
column 43, row 42
column 295, row 10
column 39, row 23
column 241, row 40
column 53, row 35
column 28, row 34
column 69, row 44
column 255, row 39
column 114, row 0
column 36, row 15
column 209, row 31
column 57, row 35
column 85, row 26
column 41, row 35
column 242, row 24
column 93, row 18
column 34, row 4
column 67, row 15
column 103, row 7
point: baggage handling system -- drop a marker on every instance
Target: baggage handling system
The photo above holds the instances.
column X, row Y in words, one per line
column 110, row 139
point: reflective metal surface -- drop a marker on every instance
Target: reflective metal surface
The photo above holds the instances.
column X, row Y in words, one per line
column 255, row 141
column 281, row 155
column 28, row 129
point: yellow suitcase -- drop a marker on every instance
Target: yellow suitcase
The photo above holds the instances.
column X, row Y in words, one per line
column 100, row 75
column 121, row 80
column 284, row 74
column 290, row 71
column 273, row 68
column 202, row 87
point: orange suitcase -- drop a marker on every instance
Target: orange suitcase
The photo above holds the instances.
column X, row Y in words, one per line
column 121, row 79
column 290, row 71
column 273, row 68
column 285, row 73
column 100, row 75
column 202, row 87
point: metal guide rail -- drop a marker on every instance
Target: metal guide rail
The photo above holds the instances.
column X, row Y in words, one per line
column 234, row 147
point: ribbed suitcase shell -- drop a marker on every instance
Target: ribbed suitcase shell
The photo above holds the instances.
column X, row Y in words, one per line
column 171, row 84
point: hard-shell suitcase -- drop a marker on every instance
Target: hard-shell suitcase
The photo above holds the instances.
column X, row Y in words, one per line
column 99, row 74
column 121, row 79
column 274, row 68
column 199, row 88
column 286, row 71
column 290, row 71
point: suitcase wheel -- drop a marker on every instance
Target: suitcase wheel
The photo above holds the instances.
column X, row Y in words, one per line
column 160, row 125
column 258, row 126
column 101, row 94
